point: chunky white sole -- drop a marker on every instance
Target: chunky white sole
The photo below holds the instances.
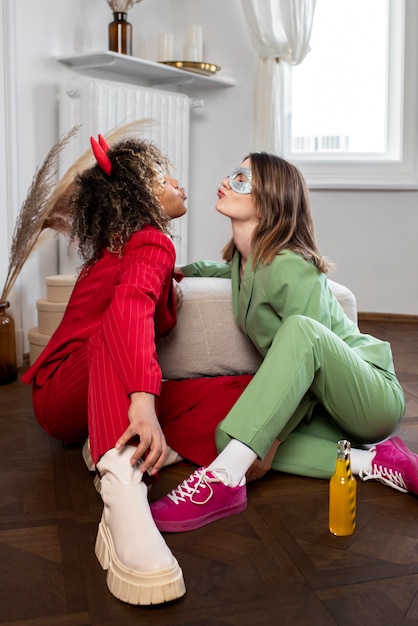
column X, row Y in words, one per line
column 132, row 586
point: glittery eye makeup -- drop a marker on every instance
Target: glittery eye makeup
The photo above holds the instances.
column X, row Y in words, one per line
column 240, row 180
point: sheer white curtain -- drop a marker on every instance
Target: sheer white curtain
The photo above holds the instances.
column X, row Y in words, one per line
column 280, row 31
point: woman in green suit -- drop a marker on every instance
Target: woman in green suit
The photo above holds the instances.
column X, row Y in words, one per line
column 321, row 379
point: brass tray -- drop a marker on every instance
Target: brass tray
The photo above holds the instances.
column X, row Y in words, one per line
column 206, row 69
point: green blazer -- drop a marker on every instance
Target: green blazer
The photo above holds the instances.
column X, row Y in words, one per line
column 269, row 294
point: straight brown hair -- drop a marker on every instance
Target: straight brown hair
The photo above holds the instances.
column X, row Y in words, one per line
column 285, row 221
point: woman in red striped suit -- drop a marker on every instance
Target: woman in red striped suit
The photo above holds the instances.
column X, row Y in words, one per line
column 101, row 367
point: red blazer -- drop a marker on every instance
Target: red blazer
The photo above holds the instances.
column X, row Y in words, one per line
column 132, row 301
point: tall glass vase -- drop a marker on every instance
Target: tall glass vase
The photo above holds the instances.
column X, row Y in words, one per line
column 120, row 34
column 8, row 362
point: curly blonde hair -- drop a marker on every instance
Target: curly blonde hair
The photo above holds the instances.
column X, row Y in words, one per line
column 107, row 210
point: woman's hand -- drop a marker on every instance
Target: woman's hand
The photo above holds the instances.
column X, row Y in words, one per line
column 144, row 423
column 262, row 466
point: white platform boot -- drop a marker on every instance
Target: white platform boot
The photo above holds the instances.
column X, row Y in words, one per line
column 141, row 568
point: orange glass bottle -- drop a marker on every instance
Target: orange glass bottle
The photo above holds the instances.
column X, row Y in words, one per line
column 342, row 494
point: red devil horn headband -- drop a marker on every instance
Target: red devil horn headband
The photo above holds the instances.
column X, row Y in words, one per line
column 100, row 150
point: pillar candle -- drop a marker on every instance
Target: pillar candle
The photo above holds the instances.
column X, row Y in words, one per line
column 165, row 46
column 194, row 37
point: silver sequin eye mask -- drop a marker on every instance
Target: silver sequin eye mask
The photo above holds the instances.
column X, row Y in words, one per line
column 240, row 180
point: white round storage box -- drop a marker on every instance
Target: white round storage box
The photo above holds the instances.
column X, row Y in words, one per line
column 59, row 287
column 37, row 342
column 49, row 315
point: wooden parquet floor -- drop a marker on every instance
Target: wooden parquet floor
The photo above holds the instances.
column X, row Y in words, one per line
column 274, row 564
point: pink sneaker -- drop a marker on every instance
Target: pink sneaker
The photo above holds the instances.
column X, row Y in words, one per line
column 200, row 499
column 394, row 465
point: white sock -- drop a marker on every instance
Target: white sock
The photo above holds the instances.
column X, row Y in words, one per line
column 361, row 460
column 231, row 465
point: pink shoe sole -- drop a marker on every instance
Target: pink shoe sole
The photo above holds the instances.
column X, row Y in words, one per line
column 169, row 526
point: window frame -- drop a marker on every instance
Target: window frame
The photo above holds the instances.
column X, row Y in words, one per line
column 323, row 171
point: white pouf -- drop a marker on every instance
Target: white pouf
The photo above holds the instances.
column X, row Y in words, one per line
column 207, row 340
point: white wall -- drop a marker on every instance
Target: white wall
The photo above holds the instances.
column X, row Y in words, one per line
column 371, row 236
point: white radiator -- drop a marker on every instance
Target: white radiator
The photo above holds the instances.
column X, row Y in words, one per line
column 99, row 106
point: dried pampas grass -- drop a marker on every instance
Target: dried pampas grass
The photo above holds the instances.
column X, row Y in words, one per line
column 33, row 213
column 47, row 206
column 122, row 6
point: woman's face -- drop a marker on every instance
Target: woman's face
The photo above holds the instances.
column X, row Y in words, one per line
column 235, row 199
column 172, row 197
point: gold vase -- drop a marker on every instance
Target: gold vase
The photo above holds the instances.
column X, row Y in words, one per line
column 8, row 362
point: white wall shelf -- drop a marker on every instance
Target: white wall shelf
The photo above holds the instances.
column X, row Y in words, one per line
column 142, row 71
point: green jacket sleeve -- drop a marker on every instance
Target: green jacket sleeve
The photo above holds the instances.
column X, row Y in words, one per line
column 207, row 269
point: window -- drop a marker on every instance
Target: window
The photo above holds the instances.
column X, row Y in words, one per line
column 350, row 107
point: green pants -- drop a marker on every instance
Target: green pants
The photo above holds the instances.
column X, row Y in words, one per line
column 311, row 390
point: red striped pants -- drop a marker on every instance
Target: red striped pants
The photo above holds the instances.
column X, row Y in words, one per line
column 86, row 395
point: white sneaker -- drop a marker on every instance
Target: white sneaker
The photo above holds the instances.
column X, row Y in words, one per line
column 172, row 457
column 87, row 456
